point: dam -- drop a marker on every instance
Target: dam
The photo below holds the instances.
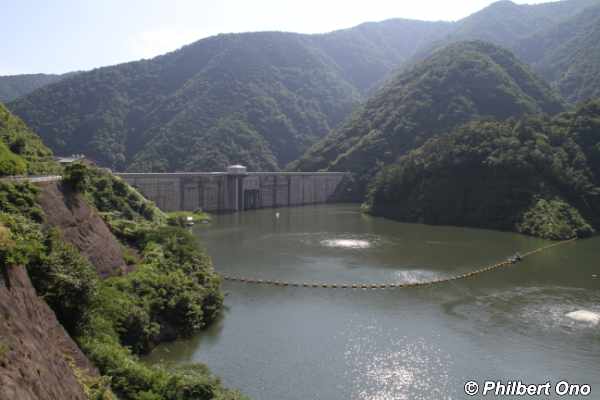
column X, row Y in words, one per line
column 235, row 189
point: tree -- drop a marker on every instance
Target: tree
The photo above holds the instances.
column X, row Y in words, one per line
column 77, row 177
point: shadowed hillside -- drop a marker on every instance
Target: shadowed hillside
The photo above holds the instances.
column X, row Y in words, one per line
column 465, row 81
column 558, row 39
column 568, row 55
column 21, row 151
column 13, row 87
column 263, row 99
column 538, row 176
column 258, row 98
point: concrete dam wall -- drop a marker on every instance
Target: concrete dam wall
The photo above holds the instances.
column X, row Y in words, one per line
column 235, row 190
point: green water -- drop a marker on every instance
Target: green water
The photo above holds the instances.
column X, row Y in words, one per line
column 295, row 343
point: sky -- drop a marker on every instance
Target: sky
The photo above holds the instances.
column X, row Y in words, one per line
column 40, row 36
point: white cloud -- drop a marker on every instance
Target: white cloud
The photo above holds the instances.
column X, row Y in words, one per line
column 149, row 44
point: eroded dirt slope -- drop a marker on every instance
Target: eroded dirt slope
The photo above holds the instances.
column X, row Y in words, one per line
column 34, row 347
column 81, row 226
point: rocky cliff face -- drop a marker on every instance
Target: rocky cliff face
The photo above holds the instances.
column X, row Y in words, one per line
column 81, row 226
column 38, row 359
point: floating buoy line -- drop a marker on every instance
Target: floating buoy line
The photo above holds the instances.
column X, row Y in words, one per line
column 506, row 263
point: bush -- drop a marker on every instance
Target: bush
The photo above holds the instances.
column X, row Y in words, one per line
column 112, row 196
column 25, row 145
column 20, row 199
column 10, row 163
column 3, row 351
column 7, row 246
column 66, row 279
column 76, row 177
column 554, row 219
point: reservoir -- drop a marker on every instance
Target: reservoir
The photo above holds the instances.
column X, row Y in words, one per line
column 286, row 343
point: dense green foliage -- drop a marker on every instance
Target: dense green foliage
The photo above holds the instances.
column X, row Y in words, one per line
column 76, row 177
column 559, row 40
column 10, row 163
column 65, row 278
column 260, row 99
column 172, row 291
column 508, row 24
column 13, row 87
column 22, row 151
column 462, row 82
column 553, row 219
column 568, row 55
column 120, row 203
column 538, row 176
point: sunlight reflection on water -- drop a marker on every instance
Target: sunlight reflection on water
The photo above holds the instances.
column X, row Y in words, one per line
column 407, row 368
column 347, row 243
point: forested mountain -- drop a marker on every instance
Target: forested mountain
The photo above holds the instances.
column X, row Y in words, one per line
column 559, row 39
column 259, row 98
column 21, row 150
column 568, row 55
column 507, row 24
column 369, row 52
column 13, row 87
column 263, row 99
column 538, row 175
column 462, row 82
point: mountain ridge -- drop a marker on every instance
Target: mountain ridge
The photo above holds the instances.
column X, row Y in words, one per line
column 13, row 87
column 462, row 82
column 264, row 98
column 279, row 91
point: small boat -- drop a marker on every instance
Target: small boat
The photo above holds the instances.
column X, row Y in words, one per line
column 516, row 258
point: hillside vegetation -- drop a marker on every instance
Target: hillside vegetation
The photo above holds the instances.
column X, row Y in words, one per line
column 172, row 290
column 258, row 98
column 262, row 99
column 507, row 24
column 167, row 290
column 13, row 87
column 568, row 55
column 538, row 175
column 462, row 82
column 558, row 39
column 21, row 151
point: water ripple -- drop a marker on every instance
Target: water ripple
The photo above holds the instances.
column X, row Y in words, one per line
column 404, row 368
column 545, row 308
